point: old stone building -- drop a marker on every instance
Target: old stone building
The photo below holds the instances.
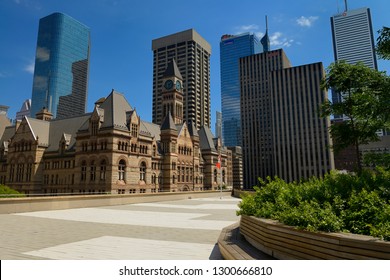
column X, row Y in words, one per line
column 112, row 150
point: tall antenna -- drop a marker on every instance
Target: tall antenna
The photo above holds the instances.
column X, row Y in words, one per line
column 346, row 5
column 266, row 24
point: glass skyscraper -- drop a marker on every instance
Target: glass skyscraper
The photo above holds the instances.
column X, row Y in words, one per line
column 61, row 66
column 232, row 48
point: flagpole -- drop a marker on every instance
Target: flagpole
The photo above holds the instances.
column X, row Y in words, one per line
column 220, row 167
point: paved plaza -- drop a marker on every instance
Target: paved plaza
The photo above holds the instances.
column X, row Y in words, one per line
column 176, row 230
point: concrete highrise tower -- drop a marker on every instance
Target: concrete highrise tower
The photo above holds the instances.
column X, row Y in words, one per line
column 283, row 134
column 353, row 40
column 192, row 55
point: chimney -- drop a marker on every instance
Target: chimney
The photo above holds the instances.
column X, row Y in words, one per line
column 44, row 115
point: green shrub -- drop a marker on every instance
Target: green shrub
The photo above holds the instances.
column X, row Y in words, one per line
column 8, row 192
column 338, row 202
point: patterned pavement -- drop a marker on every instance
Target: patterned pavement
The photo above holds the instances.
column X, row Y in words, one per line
column 175, row 230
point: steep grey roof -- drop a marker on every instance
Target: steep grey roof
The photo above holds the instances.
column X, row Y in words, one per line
column 192, row 129
column 40, row 129
column 206, row 139
column 115, row 107
column 168, row 123
column 152, row 128
column 66, row 128
column 172, row 70
column 9, row 131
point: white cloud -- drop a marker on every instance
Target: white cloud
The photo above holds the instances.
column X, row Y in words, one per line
column 278, row 40
column 306, row 21
column 246, row 28
column 30, row 67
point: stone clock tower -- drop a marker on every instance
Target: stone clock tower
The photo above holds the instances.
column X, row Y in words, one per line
column 172, row 93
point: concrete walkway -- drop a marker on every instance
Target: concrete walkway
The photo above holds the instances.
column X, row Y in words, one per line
column 176, row 230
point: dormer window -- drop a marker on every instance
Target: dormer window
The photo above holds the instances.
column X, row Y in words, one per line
column 94, row 127
column 134, row 130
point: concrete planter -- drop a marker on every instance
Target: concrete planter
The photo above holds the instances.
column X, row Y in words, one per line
column 286, row 242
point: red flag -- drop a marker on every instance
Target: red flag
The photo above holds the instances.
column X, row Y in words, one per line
column 219, row 162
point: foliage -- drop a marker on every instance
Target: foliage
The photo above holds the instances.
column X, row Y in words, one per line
column 377, row 159
column 383, row 43
column 338, row 202
column 6, row 192
column 365, row 99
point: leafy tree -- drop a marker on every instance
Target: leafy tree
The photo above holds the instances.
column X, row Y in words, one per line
column 377, row 159
column 365, row 99
column 383, row 43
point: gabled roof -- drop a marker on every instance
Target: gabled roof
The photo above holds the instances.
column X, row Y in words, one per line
column 172, row 70
column 115, row 107
column 168, row 123
column 152, row 129
column 40, row 130
column 65, row 128
column 9, row 131
column 192, row 129
column 206, row 139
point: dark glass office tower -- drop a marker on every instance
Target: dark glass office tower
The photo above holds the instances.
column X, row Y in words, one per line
column 231, row 49
column 61, row 66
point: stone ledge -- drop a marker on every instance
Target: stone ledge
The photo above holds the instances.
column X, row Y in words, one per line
column 31, row 204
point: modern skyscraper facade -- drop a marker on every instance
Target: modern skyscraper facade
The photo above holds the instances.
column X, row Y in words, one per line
column 353, row 40
column 192, row 55
column 232, row 47
column 61, row 66
column 218, row 125
column 283, row 134
column 25, row 110
column 301, row 138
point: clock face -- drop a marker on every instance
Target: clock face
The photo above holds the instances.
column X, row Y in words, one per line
column 178, row 85
column 168, row 84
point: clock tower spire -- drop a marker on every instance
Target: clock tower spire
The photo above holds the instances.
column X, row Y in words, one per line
column 172, row 93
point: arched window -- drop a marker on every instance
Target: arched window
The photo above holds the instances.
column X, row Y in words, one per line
column 103, row 167
column 154, row 150
column 223, row 176
column 174, row 179
column 142, row 171
column 83, row 170
column 215, row 176
column 92, row 171
column 121, row 170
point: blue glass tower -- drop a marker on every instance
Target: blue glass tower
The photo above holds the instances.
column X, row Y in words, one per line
column 61, row 66
column 232, row 48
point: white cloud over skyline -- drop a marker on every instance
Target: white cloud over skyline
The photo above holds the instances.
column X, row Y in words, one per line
column 306, row 21
column 277, row 39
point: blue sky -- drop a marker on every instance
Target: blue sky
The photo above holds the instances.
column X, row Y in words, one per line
column 122, row 32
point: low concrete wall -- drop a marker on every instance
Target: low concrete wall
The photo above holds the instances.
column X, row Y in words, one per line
column 286, row 242
column 30, row 204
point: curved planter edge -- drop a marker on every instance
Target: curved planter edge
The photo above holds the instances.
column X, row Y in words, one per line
column 287, row 242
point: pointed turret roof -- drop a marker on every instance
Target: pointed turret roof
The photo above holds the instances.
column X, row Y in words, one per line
column 168, row 123
column 173, row 70
column 192, row 129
